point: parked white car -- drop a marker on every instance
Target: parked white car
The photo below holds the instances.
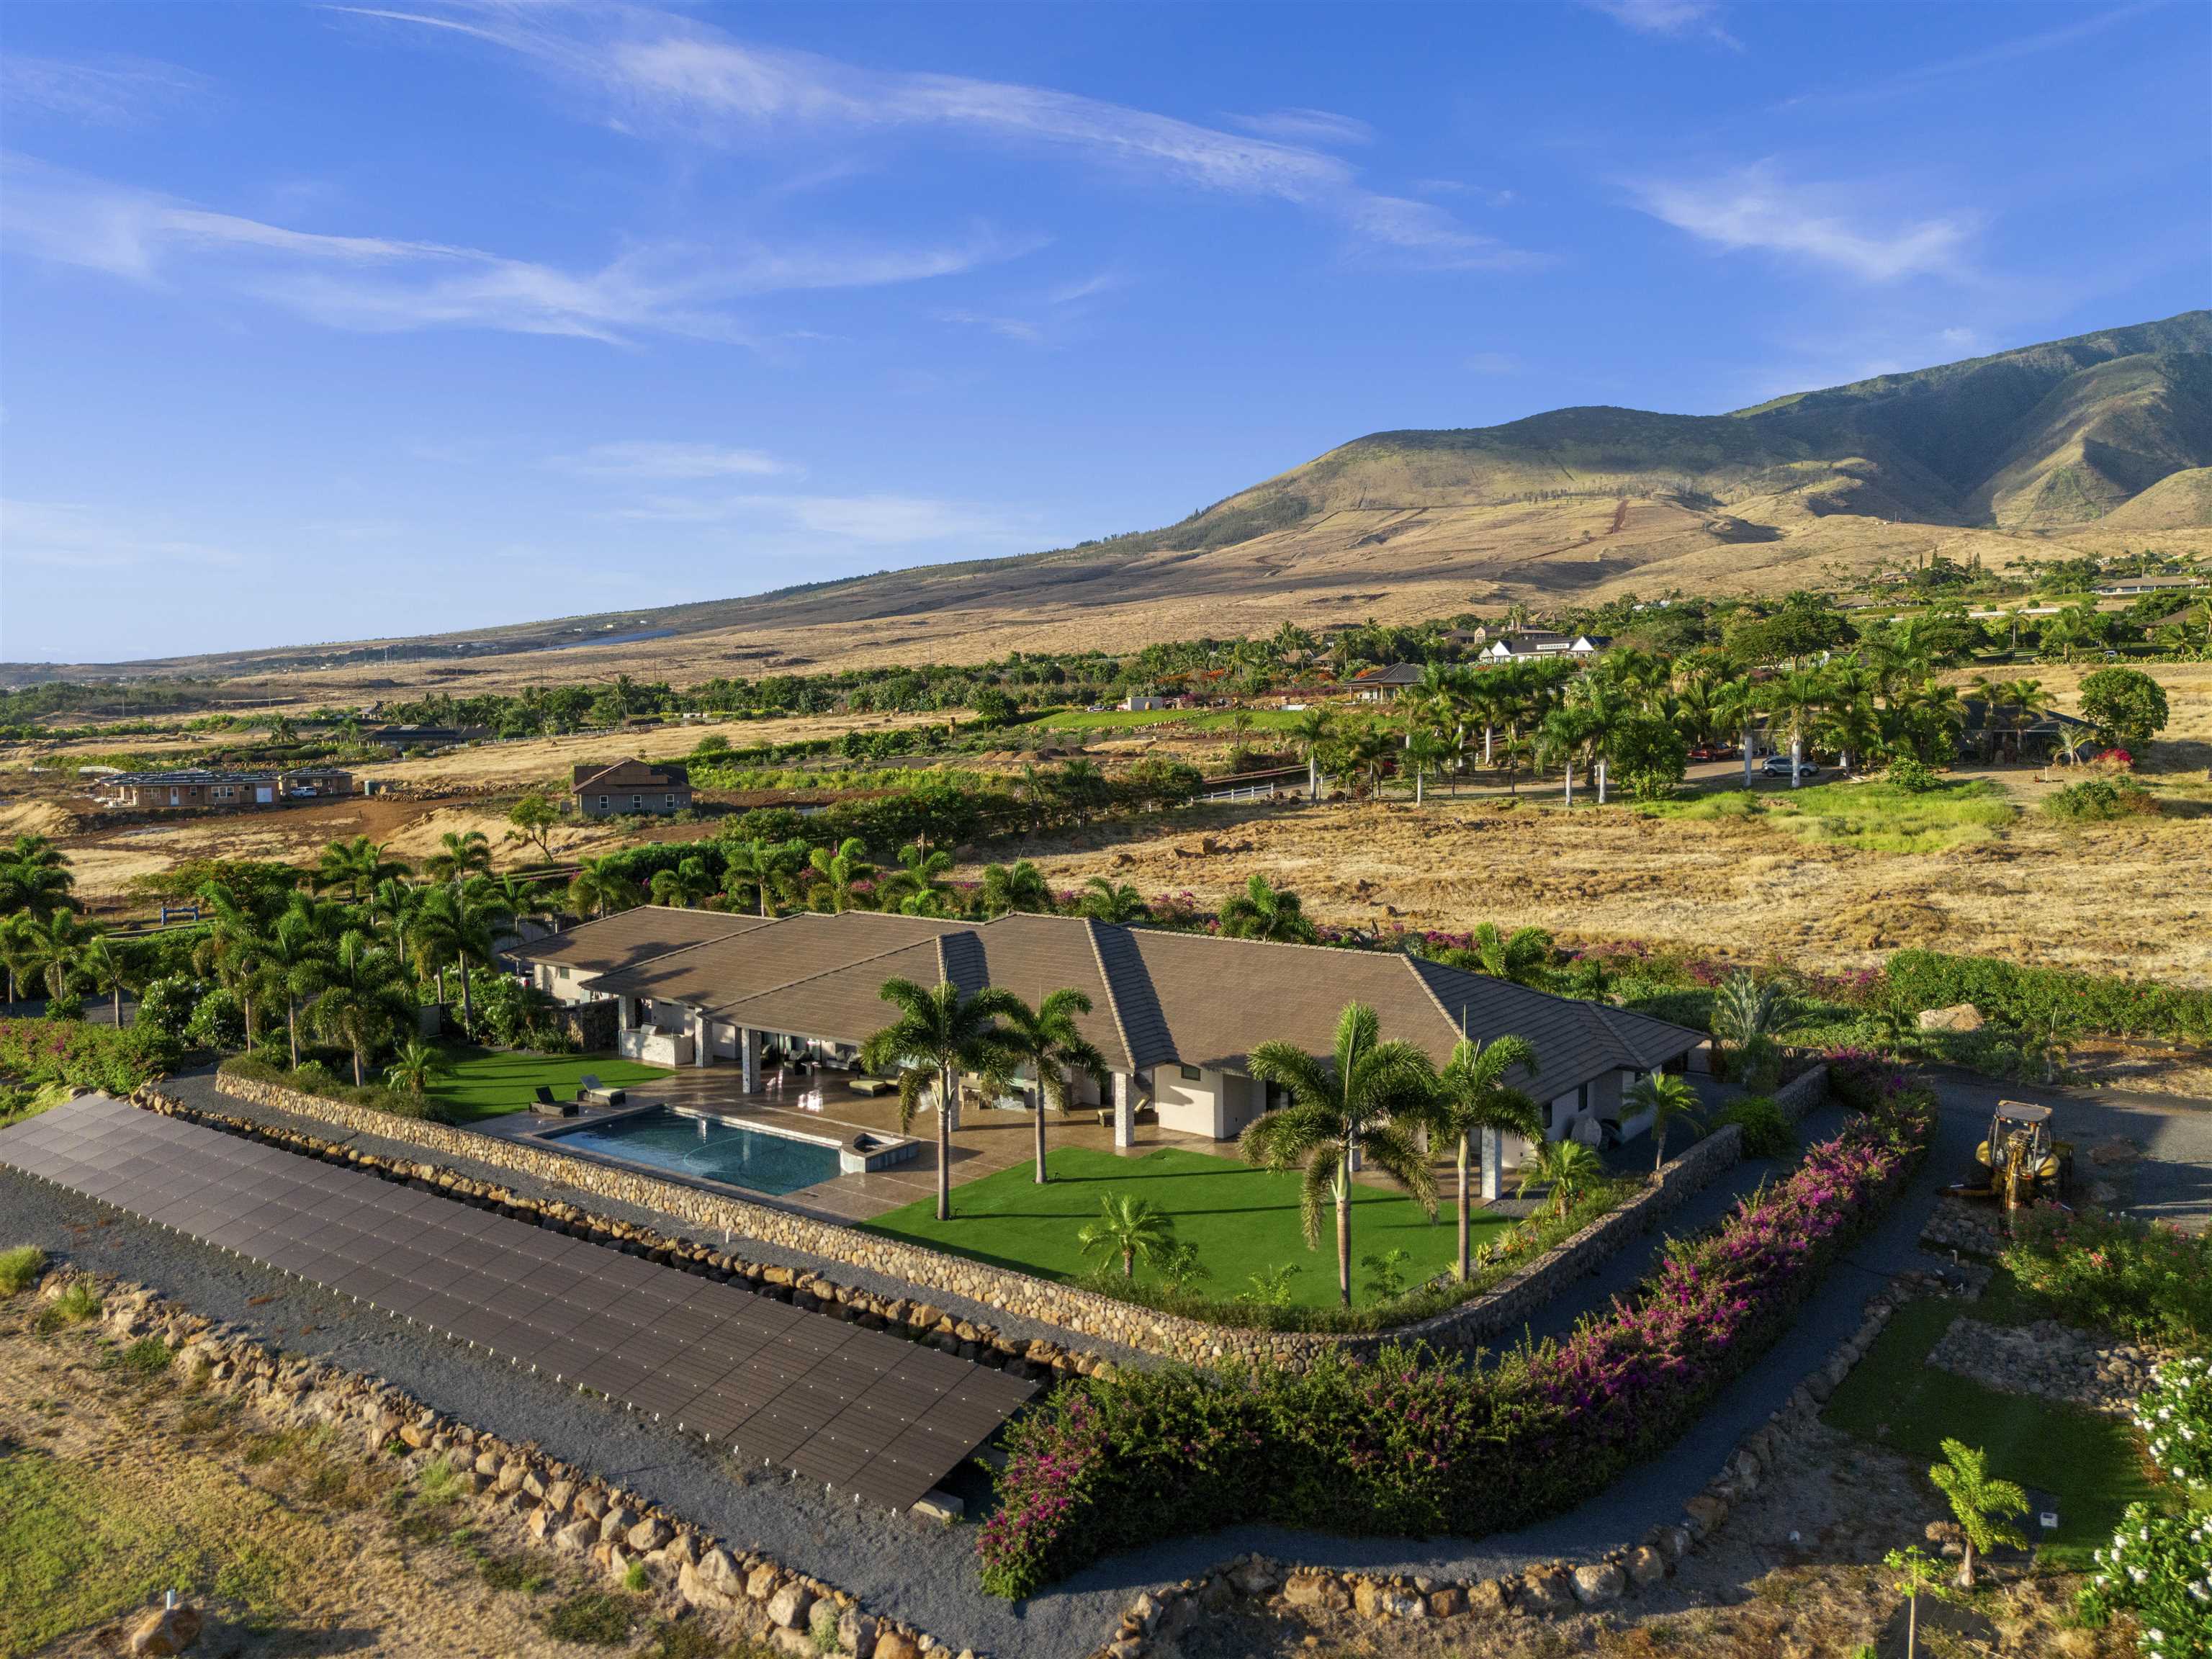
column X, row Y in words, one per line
column 1778, row 765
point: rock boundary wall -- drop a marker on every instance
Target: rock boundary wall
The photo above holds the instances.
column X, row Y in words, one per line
column 1070, row 1307
column 556, row 1505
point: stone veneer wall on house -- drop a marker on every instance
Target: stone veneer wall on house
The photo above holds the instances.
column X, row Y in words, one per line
column 1070, row 1308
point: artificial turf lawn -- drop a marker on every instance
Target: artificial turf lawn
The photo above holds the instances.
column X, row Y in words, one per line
column 2089, row 1462
column 485, row 1083
column 1242, row 1220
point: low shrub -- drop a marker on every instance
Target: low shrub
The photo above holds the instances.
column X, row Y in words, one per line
column 313, row 1078
column 2158, row 1567
column 1915, row 776
column 217, row 1022
column 1767, row 1132
column 1407, row 1446
column 2101, row 801
column 594, row 1617
column 2175, row 1414
column 2148, row 1281
column 166, row 1004
column 21, row 1268
column 34, row 1053
column 2036, row 997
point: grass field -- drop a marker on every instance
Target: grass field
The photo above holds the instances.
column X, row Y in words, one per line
column 2087, row 1462
column 1870, row 817
column 485, row 1083
column 1242, row 1220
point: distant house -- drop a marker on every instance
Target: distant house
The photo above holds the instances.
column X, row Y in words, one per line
column 191, row 789
column 2119, row 587
column 426, row 736
column 602, row 791
column 1530, row 643
column 314, row 782
column 1145, row 705
column 1382, row 684
column 2010, row 735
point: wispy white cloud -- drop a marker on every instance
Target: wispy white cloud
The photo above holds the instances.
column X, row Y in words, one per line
column 1308, row 126
column 1494, row 362
column 104, row 92
column 652, row 459
column 652, row 71
column 77, row 536
column 383, row 285
column 1009, row 328
column 1753, row 207
column 885, row 520
column 1669, row 17
column 1086, row 288
column 1921, row 76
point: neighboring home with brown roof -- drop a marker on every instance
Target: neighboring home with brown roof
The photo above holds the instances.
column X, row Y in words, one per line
column 609, row 791
column 189, row 789
column 1381, row 684
column 1175, row 1015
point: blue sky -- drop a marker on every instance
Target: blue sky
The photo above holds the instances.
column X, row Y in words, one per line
column 323, row 322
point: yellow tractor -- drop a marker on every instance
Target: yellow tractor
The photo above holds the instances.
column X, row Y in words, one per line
column 2019, row 1161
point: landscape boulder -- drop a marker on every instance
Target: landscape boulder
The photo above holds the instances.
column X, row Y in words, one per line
column 1960, row 1017
column 165, row 1629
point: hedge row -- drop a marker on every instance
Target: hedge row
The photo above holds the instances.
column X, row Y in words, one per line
column 1409, row 1446
column 2049, row 997
column 36, row 1052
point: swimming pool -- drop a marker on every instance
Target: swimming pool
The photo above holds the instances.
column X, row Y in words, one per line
column 708, row 1149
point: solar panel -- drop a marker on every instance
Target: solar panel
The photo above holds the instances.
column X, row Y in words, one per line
column 860, row 1410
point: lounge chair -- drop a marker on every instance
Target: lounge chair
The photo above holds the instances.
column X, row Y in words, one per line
column 547, row 1104
column 591, row 1092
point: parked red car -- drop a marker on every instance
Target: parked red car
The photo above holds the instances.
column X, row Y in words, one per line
column 1715, row 751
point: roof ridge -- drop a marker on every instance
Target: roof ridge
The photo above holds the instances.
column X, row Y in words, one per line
column 1413, row 966
column 1090, row 926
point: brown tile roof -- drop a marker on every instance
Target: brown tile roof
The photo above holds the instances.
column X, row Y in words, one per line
column 632, row 936
column 1157, row 997
column 632, row 773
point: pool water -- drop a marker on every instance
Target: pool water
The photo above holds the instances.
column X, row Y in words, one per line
column 709, row 1149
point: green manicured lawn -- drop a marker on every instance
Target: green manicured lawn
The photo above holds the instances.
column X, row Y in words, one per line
column 485, row 1083
column 2089, row 1462
column 1875, row 817
column 1240, row 1218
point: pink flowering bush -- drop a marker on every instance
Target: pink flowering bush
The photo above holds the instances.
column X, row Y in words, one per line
column 1408, row 1445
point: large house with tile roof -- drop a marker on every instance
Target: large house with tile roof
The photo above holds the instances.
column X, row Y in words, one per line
column 1175, row 1014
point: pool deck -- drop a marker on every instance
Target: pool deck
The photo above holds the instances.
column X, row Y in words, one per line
column 984, row 1144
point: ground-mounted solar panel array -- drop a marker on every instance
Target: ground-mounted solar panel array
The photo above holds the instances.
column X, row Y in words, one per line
column 862, row 1412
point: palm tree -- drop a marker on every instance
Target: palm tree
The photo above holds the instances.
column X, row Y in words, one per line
column 1667, row 1098
column 359, row 866
column 1265, row 911
column 841, row 869
column 1519, row 956
column 1796, row 699
column 361, row 1002
column 414, row 1065
column 939, row 1035
column 1104, row 900
column 1425, row 752
column 235, row 950
column 919, row 881
column 1567, row 1167
column 1979, row 1500
column 1471, row 1098
column 759, row 866
column 34, row 878
column 455, row 925
column 1736, row 703
column 1046, row 1040
column 16, row 949
column 1129, row 1227
column 1017, row 886
column 105, row 968
column 295, row 958
column 685, row 885
column 1745, row 1009
column 52, row 945
column 1364, row 1100
column 1311, row 732
column 458, row 856
column 599, row 886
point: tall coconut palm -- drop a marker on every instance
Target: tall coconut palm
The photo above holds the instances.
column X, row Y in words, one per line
column 686, row 884
column 1107, row 900
column 107, row 970
column 1737, row 704
column 1046, row 1040
column 940, row 1035
column 34, row 878
column 295, row 958
column 234, row 951
column 1263, row 911
column 358, row 865
column 1796, row 699
column 53, row 945
column 1365, row 1100
column 1425, row 751
column 16, row 950
column 1129, row 1227
column 459, row 856
column 362, row 1002
column 1669, row 1099
column 1017, row 886
column 759, row 868
column 1313, row 731
column 1472, row 1098
column 599, row 886
column 457, row 925
column 841, row 869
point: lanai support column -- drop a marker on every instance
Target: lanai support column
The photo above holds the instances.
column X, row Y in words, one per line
column 1125, row 1110
column 749, row 1052
column 702, row 1041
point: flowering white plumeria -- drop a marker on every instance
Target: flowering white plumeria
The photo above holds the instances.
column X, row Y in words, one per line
column 2160, row 1568
column 2175, row 1415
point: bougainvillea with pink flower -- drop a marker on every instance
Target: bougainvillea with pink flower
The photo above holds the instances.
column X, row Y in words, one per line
column 1409, row 1445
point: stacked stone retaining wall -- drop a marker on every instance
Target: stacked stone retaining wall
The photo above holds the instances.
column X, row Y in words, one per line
column 1085, row 1313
